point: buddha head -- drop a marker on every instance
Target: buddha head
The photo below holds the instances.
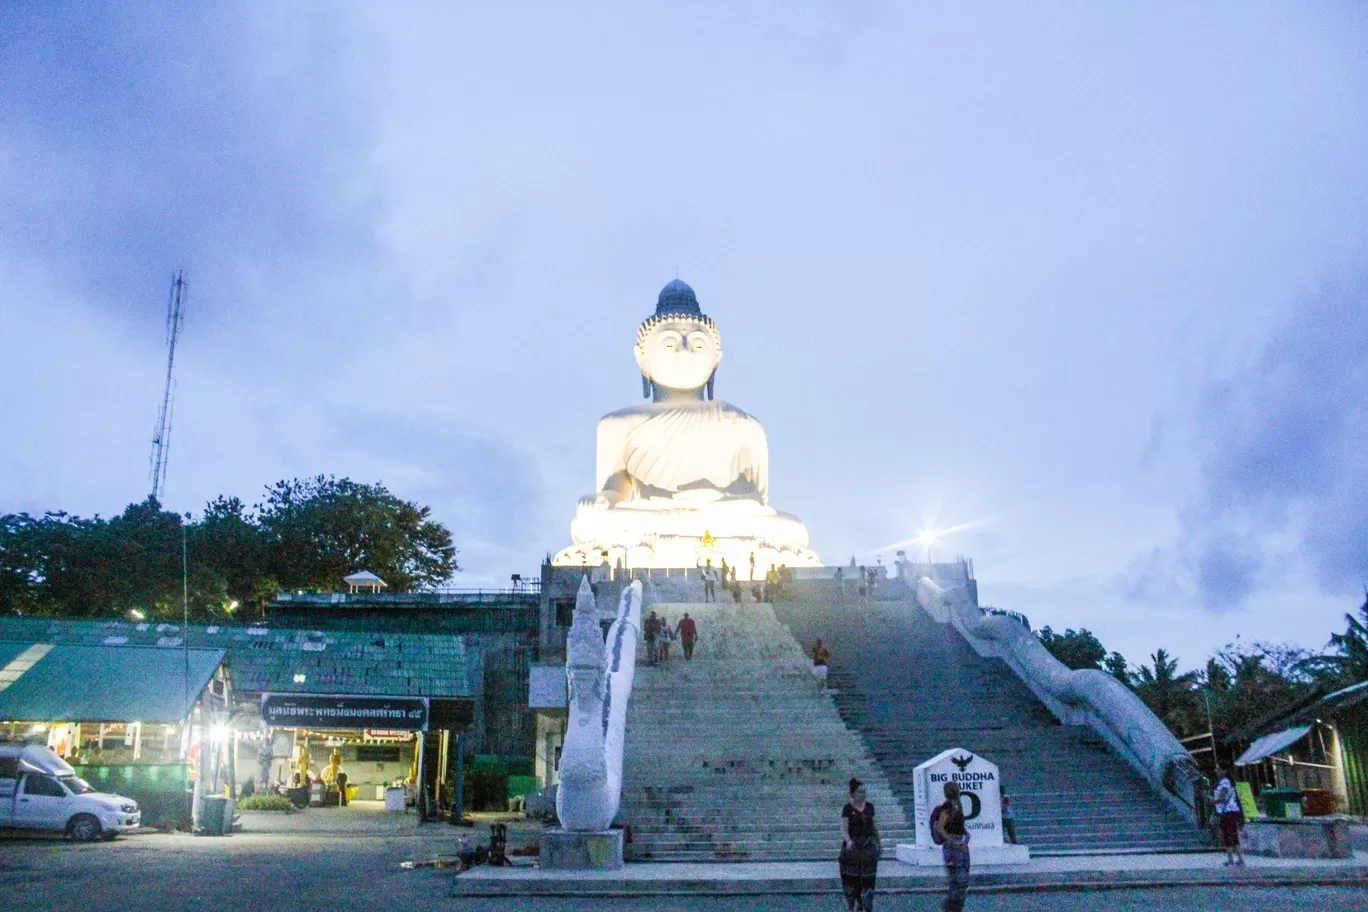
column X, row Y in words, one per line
column 678, row 348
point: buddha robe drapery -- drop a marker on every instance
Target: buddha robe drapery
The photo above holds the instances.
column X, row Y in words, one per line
column 698, row 447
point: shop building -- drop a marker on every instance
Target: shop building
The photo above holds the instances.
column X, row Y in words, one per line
column 1315, row 749
column 385, row 706
column 131, row 719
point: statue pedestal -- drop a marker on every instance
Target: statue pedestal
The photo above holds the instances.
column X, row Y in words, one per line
column 566, row 851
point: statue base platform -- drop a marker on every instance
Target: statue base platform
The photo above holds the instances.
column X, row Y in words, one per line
column 562, row 850
column 661, row 533
column 930, row 856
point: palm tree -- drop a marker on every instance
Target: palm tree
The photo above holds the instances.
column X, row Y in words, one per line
column 1352, row 660
column 1169, row 695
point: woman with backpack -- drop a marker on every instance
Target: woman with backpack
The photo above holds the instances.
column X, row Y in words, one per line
column 947, row 831
column 860, row 849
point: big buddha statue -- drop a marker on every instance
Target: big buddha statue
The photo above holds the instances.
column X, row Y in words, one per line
column 684, row 477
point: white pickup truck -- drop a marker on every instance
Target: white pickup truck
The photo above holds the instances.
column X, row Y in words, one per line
column 40, row 791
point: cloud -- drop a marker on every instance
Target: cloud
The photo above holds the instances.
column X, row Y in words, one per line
column 1285, row 457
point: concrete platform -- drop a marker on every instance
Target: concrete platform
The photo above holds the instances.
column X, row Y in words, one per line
column 563, row 851
column 1056, row 873
column 931, row 856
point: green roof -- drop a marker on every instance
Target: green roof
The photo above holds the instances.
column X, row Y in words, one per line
column 262, row 659
column 41, row 681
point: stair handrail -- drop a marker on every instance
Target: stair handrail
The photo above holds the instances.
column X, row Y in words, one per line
column 1078, row 696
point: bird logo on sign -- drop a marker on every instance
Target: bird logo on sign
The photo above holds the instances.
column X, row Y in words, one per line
column 962, row 762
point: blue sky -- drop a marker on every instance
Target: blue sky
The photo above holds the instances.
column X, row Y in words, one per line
column 1089, row 282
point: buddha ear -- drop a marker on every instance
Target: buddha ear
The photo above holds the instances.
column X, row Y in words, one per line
column 645, row 387
column 711, row 378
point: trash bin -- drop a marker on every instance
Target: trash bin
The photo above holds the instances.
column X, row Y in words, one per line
column 211, row 816
column 1282, row 803
column 1317, row 802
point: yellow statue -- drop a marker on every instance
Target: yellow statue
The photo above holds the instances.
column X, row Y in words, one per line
column 334, row 764
column 302, row 761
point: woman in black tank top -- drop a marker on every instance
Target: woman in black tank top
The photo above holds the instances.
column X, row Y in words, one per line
column 859, row 850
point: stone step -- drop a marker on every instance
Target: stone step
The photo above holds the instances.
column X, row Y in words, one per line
column 735, row 754
column 913, row 687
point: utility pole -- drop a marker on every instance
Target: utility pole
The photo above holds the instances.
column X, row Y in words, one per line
column 161, row 439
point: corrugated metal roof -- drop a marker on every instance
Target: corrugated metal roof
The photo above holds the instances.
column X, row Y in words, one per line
column 274, row 659
column 1269, row 745
column 97, row 683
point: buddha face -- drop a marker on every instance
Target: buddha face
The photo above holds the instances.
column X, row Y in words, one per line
column 680, row 353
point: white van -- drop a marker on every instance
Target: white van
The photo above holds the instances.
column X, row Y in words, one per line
column 40, row 791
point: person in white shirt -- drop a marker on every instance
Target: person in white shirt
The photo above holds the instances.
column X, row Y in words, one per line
column 1231, row 817
column 709, row 582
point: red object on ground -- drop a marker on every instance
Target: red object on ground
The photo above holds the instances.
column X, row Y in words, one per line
column 1317, row 803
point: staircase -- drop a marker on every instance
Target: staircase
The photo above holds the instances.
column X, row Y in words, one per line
column 734, row 755
column 913, row 688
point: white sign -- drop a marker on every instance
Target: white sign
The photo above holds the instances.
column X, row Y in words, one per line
column 980, row 785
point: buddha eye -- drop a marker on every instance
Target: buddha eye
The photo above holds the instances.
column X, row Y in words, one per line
column 698, row 342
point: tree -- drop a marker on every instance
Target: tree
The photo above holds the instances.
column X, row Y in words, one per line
column 1076, row 649
column 1169, row 695
column 228, row 541
column 65, row 565
column 1245, row 682
column 318, row 530
column 1351, row 665
column 1115, row 664
column 308, row 535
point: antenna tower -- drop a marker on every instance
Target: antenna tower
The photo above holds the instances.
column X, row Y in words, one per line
column 161, row 440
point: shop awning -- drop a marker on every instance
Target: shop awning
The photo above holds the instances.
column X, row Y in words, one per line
column 46, row 682
column 1269, row 745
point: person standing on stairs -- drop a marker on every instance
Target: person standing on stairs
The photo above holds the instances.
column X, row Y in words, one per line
column 860, row 848
column 664, row 640
column 947, row 829
column 1008, row 818
column 709, row 582
column 771, row 584
column 687, row 630
column 820, row 656
column 652, row 633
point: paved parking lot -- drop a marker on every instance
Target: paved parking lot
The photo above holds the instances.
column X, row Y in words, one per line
column 350, row 860
column 315, row 860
